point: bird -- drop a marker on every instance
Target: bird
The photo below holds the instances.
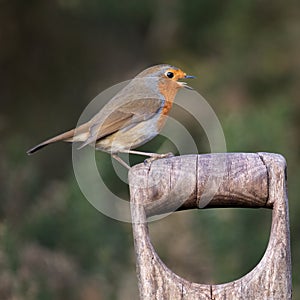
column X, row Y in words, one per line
column 131, row 118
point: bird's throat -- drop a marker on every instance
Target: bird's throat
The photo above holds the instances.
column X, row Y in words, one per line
column 168, row 90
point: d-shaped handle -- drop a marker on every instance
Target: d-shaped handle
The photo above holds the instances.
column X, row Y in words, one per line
column 203, row 181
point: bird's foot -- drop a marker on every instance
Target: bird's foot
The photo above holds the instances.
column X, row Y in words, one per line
column 157, row 156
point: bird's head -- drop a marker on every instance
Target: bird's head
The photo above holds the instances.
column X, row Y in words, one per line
column 167, row 74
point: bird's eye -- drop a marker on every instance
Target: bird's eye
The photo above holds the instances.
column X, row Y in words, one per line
column 170, row 74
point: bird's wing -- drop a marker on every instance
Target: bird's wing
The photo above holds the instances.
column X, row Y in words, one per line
column 123, row 116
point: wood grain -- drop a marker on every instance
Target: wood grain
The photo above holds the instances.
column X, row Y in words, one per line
column 197, row 181
column 204, row 181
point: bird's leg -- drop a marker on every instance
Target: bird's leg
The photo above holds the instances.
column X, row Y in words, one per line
column 157, row 156
column 152, row 156
column 120, row 160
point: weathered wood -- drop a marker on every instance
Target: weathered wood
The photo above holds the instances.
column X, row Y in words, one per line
column 196, row 181
column 186, row 182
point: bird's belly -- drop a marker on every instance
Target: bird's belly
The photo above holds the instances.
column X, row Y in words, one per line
column 130, row 137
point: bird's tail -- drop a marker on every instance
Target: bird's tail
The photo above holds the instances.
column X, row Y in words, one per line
column 79, row 134
column 66, row 137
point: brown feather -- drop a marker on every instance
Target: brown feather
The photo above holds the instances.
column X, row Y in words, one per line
column 64, row 136
column 74, row 135
column 124, row 116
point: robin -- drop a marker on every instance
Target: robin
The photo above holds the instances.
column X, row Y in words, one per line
column 132, row 117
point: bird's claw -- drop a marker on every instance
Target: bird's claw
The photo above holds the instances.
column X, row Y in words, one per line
column 158, row 156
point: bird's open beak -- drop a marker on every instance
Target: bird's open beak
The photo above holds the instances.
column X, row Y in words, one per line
column 189, row 77
column 183, row 84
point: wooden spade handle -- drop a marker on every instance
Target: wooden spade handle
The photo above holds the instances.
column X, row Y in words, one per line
column 205, row 181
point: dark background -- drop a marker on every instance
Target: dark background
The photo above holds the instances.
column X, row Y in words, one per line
column 55, row 56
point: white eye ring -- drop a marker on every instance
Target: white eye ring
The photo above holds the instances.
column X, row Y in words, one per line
column 169, row 74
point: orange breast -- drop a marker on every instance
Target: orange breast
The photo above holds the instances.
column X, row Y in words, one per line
column 167, row 107
column 169, row 90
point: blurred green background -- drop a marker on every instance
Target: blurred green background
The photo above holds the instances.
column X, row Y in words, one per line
column 57, row 55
